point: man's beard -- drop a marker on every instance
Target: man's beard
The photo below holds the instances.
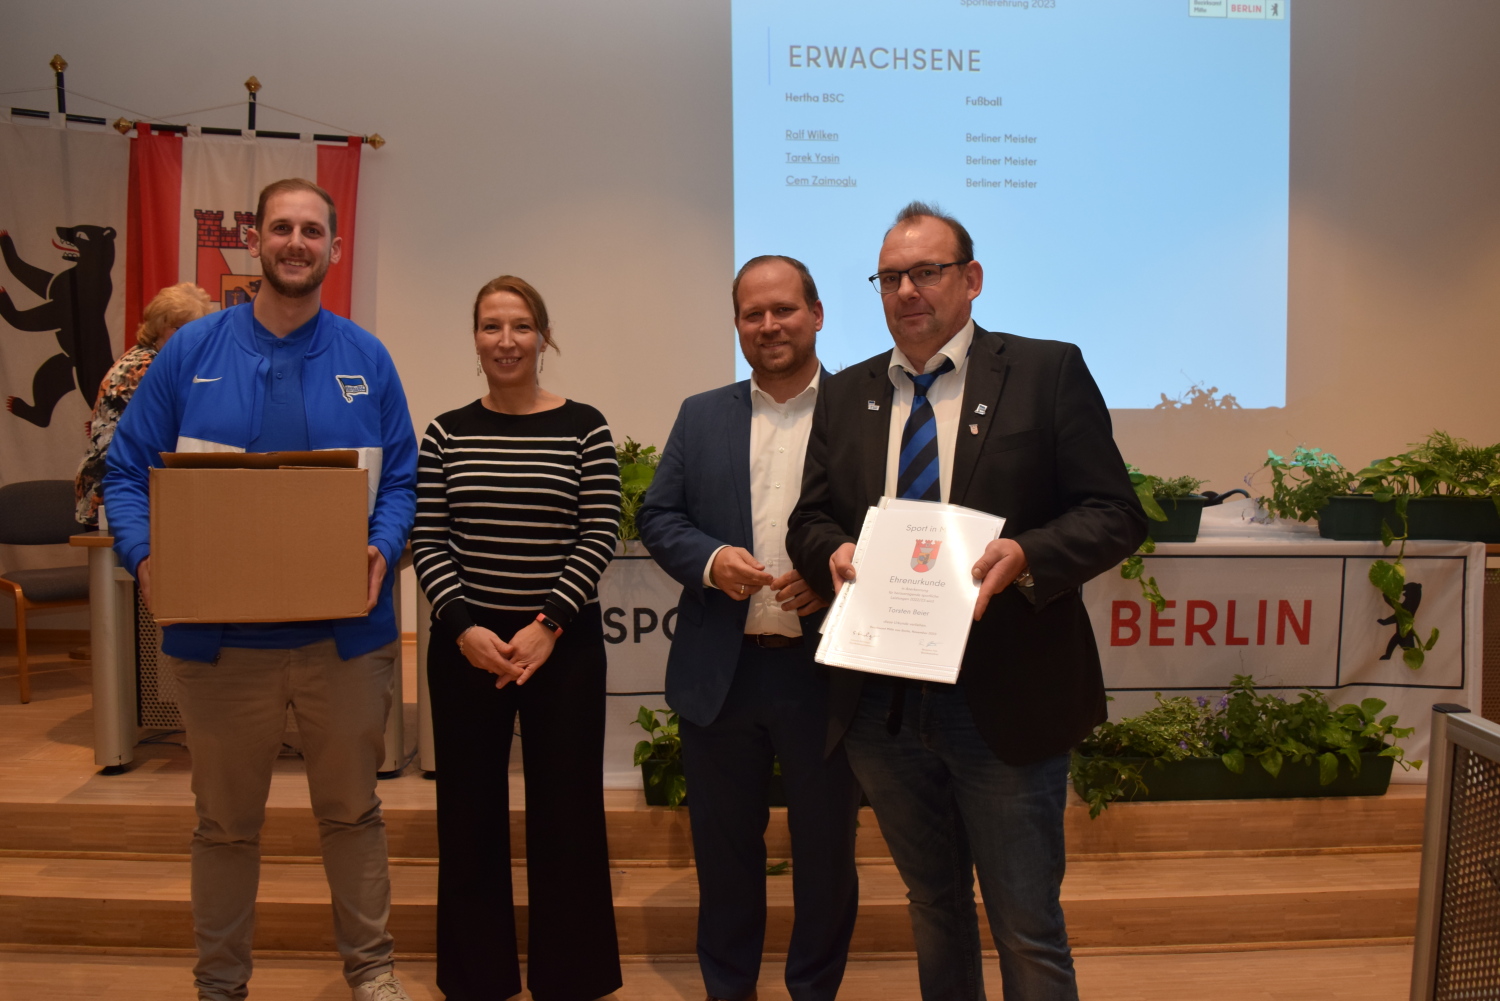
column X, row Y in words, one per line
column 791, row 361
column 307, row 286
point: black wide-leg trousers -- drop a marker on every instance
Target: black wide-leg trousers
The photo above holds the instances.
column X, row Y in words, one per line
column 572, row 950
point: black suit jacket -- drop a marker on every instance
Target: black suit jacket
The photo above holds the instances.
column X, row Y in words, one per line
column 1045, row 458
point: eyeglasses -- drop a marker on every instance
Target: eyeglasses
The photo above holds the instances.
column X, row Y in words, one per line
column 921, row 276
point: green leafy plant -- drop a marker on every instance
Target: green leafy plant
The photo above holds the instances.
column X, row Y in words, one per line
column 1442, row 466
column 1301, row 485
column 637, row 470
column 1151, row 491
column 663, row 746
column 1439, row 466
column 1390, row 580
column 1243, row 728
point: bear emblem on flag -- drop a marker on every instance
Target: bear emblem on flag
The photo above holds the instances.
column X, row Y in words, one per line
column 924, row 554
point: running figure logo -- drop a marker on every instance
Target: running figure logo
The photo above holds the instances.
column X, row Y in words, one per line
column 924, row 554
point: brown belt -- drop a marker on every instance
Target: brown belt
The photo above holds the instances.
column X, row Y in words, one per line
column 772, row 641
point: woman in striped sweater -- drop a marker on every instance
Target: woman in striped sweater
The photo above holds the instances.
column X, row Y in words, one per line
column 518, row 503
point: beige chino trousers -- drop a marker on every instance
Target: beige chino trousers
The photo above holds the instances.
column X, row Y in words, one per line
column 234, row 712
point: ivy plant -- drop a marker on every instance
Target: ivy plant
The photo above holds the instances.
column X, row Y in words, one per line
column 1151, row 491
column 637, row 470
column 1440, row 466
column 1243, row 728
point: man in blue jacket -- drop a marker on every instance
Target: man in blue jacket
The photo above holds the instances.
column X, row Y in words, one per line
column 741, row 673
column 280, row 374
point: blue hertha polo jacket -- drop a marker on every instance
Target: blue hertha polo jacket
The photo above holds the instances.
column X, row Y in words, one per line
column 205, row 392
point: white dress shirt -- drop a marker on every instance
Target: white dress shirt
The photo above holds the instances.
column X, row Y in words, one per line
column 946, row 397
column 778, row 446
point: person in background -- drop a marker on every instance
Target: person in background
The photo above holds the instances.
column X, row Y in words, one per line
column 741, row 672
column 173, row 307
column 518, row 509
column 268, row 376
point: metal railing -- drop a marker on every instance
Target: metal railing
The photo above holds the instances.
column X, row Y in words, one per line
column 1457, row 953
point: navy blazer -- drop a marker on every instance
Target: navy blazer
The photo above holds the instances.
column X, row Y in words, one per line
column 699, row 501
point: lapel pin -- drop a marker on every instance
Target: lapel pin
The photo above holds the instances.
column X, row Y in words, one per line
column 872, row 405
column 973, row 429
column 981, row 409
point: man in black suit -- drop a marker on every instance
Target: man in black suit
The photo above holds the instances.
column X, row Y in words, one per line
column 973, row 775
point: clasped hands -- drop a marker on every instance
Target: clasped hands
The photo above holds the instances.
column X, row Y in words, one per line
column 1001, row 563
column 515, row 661
column 739, row 574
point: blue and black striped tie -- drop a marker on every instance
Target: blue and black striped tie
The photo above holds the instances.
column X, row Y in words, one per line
column 918, row 473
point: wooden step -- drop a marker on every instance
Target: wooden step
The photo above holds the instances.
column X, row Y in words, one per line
column 1116, row 903
column 637, row 831
column 1342, row 973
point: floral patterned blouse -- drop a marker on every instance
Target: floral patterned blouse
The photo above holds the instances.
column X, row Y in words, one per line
column 114, row 392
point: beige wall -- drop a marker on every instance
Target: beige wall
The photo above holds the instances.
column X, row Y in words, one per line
column 586, row 146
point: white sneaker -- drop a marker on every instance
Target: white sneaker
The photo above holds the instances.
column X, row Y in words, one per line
column 383, row 988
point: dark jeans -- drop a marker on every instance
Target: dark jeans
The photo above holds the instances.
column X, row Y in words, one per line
column 777, row 705
column 572, row 951
column 947, row 806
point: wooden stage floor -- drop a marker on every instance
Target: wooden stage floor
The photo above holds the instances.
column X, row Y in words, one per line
column 46, row 763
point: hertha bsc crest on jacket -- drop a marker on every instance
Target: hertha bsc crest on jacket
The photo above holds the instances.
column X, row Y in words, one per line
column 352, row 386
column 924, row 554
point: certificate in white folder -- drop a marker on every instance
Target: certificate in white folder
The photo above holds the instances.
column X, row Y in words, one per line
column 909, row 610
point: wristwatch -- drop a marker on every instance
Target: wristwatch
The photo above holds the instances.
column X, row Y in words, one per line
column 549, row 624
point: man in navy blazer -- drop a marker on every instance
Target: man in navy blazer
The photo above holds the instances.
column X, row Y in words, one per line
column 741, row 673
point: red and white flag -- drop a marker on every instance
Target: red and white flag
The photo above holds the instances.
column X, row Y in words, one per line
column 192, row 198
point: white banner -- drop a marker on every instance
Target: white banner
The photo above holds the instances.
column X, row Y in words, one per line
column 639, row 604
column 1294, row 611
column 62, row 233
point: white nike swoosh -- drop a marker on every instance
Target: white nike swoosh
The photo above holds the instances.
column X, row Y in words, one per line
column 197, row 378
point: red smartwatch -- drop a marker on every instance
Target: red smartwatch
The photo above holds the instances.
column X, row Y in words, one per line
column 549, row 624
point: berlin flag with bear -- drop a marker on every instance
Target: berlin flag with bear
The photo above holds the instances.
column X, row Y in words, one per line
column 93, row 224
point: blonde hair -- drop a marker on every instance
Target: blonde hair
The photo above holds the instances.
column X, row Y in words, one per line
column 173, row 306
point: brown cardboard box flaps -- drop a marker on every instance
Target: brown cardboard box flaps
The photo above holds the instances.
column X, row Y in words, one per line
column 258, row 537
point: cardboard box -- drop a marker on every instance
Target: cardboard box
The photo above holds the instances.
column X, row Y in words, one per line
column 258, row 537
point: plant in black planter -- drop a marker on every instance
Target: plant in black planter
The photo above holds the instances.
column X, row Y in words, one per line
column 1244, row 745
column 637, row 470
column 1440, row 488
column 1302, row 485
column 1157, row 495
column 1440, row 473
column 660, row 757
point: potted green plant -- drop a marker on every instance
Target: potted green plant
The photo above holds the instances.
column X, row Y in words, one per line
column 659, row 758
column 1452, row 490
column 1302, row 485
column 1245, row 745
column 1377, row 503
column 1178, row 508
column 637, row 469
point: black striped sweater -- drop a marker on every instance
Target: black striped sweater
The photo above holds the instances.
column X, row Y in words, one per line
column 515, row 512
